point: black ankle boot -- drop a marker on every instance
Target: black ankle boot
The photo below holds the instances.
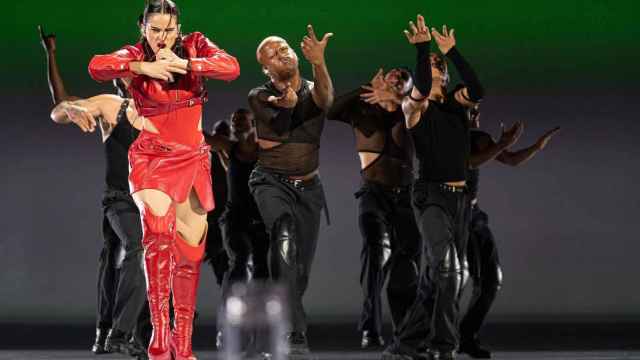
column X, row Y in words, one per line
column 98, row 345
column 298, row 346
column 474, row 350
column 397, row 351
column 442, row 355
column 371, row 340
column 117, row 342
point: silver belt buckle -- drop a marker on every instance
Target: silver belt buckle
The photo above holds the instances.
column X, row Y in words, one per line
column 297, row 183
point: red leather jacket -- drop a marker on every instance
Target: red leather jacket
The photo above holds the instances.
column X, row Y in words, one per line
column 174, row 109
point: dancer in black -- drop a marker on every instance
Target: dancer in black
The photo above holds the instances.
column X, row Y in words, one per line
column 391, row 241
column 290, row 114
column 482, row 252
column 215, row 253
column 244, row 235
column 121, row 322
column 438, row 125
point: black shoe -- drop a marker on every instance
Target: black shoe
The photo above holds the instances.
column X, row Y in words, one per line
column 441, row 355
column 298, row 346
column 371, row 340
column 397, row 351
column 137, row 350
column 101, row 337
column 474, row 350
column 117, row 342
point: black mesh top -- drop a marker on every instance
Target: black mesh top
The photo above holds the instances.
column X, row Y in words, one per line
column 298, row 130
column 473, row 176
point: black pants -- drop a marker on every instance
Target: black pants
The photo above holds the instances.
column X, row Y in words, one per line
column 246, row 243
column 390, row 248
column 121, row 282
column 442, row 218
column 291, row 214
column 215, row 253
column 484, row 268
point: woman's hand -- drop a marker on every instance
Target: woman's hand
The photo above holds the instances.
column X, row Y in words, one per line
column 446, row 41
column 419, row 33
column 161, row 69
column 81, row 116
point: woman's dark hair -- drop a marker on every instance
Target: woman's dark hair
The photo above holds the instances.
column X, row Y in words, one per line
column 161, row 7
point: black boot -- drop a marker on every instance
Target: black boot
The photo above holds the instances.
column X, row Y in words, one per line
column 101, row 337
column 298, row 346
column 396, row 351
column 117, row 342
column 474, row 350
column 371, row 340
column 442, row 355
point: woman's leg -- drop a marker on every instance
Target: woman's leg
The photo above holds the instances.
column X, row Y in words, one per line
column 189, row 251
column 158, row 215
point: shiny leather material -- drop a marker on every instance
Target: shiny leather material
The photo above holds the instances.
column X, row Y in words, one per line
column 186, row 275
column 166, row 104
column 172, row 168
column 158, row 240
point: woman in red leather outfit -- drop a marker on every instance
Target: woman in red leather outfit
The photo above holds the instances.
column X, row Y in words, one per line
column 169, row 162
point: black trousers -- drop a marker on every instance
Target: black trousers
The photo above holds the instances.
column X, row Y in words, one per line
column 246, row 243
column 215, row 254
column 485, row 271
column 442, row 218
column 391, row 247
column 121, row 281
column 291, row 214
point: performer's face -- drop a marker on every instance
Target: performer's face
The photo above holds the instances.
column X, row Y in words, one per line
column 161, row 31
column 242, row 123
column 438, row 68
column 397, row 79
column 279, row 59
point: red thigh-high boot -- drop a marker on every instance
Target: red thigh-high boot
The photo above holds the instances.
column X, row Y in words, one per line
column 186, row 273
column 158, row 240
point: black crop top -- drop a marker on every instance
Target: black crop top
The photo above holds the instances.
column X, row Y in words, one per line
column 381, row 132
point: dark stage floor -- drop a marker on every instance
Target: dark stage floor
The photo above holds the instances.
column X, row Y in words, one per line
column 525, row 341
column 335, row 355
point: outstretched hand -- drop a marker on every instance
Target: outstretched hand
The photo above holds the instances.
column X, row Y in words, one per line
column 379, row 95
column 419, row 32
column 445, row 40
column 312, row 48
column 511, row 136
column 48, row 41
column 544, row 139
column 288, row 100
column 81, row 116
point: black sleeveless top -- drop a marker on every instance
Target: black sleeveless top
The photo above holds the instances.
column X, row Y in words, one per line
column 380, row 132
column 116, row 151
column 441, row 139
column 298, row 129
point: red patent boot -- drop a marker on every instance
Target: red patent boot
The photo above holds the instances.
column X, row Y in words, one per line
column 186, row 274
column 158, row 240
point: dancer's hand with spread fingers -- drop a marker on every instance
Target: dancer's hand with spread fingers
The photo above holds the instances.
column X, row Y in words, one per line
column 445, row 40
column 419, row 31
column 312, row 48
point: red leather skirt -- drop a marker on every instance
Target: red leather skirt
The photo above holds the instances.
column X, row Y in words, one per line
column 172, row 168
